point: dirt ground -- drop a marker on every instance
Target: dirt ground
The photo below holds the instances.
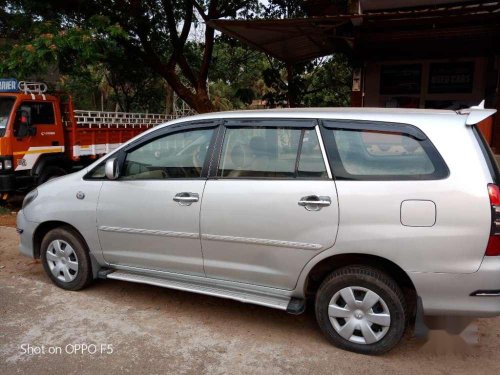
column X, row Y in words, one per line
column 8, row 220
column 157, row 331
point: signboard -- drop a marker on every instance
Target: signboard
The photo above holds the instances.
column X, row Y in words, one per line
column 449, row 78
column 8, row 85
column 400, row 79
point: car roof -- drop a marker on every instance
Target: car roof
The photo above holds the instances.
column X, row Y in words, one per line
column 338, row 110
column 390, row 115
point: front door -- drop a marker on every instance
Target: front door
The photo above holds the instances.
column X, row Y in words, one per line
column 272, row 205
column 47, row 139
column 149, row 217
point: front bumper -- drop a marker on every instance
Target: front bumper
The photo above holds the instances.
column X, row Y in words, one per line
column 26, row 229
column 11, row 182
column 7, row 183
column 453, row 294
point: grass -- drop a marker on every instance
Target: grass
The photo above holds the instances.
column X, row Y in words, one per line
column 4, row 210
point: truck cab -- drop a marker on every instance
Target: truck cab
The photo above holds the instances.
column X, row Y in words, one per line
column 30, row 130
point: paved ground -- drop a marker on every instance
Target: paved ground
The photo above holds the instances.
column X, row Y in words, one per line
column 154, row 330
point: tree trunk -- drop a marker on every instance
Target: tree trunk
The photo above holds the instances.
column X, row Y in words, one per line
column 169, row 99
column 292, row 100
column 198, row 101
column 203, row 102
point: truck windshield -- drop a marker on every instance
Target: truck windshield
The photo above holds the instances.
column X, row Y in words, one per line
column 5, row 109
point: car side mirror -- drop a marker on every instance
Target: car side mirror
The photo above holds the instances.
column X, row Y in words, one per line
column 111, row 169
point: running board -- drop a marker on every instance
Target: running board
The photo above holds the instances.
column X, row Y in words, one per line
column 288, row 304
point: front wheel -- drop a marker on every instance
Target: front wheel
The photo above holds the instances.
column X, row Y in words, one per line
column 361, row 309
column 65, row 259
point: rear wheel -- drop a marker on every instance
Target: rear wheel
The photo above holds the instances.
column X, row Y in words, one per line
column 361, row 309
column 65, row 259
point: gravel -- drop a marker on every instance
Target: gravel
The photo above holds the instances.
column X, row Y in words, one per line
column 118, row 327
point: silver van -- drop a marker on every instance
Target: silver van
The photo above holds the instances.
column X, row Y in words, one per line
column 376, row 217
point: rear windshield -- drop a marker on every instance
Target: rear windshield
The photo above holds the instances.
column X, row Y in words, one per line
column 488, row 155
column 5, row 109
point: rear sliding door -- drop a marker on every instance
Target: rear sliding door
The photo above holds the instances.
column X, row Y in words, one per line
column 270, row 204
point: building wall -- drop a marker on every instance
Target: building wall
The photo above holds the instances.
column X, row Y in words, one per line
column 423, row 99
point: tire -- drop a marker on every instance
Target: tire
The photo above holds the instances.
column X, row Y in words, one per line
column 49, row 173
column 66, row 259
column 372, row 296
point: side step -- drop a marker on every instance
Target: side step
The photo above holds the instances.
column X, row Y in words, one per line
column 291, row 305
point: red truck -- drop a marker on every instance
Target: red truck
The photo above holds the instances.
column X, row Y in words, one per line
column 42, row 136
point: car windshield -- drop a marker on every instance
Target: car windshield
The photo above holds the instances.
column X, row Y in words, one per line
column 5, row 109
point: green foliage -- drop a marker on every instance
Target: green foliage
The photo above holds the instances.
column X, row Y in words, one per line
column 283, row 9
column 321, row 83
column 119, row 57
column 329, row 85
column 236, row 73
column 91, row 65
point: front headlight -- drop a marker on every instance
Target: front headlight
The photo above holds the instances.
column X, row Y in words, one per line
column 5, row 163
column 30, row 197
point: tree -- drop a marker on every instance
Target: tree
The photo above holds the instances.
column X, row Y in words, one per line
column 155, row 32
column 318, row 82
column 242, row 82
column 118, row 54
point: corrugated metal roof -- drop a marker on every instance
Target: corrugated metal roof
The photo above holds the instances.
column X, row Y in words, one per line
column 295, row 40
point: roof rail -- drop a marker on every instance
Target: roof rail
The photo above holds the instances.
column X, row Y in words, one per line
column 36, row 88
column 476, row 113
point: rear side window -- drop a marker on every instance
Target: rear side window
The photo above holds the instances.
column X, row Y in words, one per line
column 271, row 152
column 311, row 164
column 259, row 152
column 366, row 151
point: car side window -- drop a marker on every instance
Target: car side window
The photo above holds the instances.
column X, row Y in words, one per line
column 268, row 152
column 259, row 152
column 41, row 113
column 311, row 163
column 98, row 172
column 177, row 155
column 382, row 154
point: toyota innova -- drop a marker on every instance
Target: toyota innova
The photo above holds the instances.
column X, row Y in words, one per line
column 376, row 217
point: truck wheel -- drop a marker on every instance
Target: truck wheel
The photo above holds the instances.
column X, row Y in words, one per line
column 49, row 173
column 65, row 259
column 361, row 309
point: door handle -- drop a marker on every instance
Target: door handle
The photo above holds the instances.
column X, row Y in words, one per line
column 314, row 202
column 186, row 199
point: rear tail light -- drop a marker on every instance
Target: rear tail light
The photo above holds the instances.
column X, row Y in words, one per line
column 493, row 247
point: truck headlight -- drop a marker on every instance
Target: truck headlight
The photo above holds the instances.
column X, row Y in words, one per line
column 30, row 197
column 5, row 163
